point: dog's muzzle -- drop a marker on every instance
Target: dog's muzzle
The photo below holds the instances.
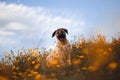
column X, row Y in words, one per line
column 61, row 37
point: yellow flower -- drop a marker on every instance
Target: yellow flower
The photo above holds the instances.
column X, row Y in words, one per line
column 32, row 71
column 35, row 73
column 13, row 67
column 37, row 77
column 33, row 62
column 54, row 62
column 3, row 78
column 54, row 52
column 28, row 59
column 20, row 73
column 69, row 61
column 92, row 68
column 85, row 51
column 33, row 53
column 110, row 49
column 112, row 65
column 17, row 68
column 37, row 66
column 84, row 68
column 76, row 61
column 30, row 75
column 38, row 60
column 58, row 66
column 78, row 46
column 81, row 57
column 29, row 49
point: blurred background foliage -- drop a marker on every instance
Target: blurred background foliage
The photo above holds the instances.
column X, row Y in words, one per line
column 92, row 59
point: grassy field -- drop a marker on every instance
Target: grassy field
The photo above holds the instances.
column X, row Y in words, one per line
column 93, row 59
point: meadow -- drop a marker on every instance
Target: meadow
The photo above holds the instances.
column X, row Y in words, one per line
column 92, row 59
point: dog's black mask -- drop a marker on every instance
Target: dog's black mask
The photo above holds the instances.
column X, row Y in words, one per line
column 61, row 36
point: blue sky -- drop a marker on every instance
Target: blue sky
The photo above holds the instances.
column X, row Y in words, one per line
column 30, row 23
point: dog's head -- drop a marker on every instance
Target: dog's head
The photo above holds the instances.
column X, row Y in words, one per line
column 60, row 34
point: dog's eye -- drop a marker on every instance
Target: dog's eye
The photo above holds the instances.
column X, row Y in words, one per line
column 62, row 31
column 57, row 32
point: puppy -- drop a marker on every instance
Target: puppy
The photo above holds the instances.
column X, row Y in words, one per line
column 60, row 56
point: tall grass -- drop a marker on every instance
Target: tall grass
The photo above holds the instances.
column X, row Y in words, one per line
column 93, row 59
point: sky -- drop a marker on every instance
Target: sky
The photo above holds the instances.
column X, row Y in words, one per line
column 30, row 23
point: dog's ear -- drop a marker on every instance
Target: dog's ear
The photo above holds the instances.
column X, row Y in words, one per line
column 53, row 33
column 66, row 30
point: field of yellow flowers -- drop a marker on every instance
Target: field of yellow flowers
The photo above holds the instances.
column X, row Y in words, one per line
column 93, row 59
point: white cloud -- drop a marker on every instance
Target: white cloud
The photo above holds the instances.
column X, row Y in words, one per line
column 16, row 26
column 23, row 25
column 6, row 33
